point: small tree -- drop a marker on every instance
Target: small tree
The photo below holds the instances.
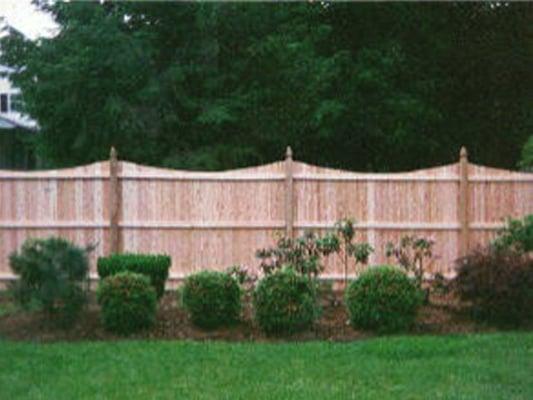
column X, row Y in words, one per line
column 304, row 253
column 361, row 253
column 345, row 229
column 412, row 253
column 243, row 275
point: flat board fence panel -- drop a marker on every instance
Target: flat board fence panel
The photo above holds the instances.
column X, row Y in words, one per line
column 203, row 220
column 72, row 203
column 386, row 206
column 217, row 219
column 494, row 194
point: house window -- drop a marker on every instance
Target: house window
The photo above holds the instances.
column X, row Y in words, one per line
column 3, row 102
column 15, row 102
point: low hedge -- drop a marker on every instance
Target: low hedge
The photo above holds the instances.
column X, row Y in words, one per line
column 154, row 266
column 212, row 298
column 383, row 299
column 128, row 302
column 285, row 302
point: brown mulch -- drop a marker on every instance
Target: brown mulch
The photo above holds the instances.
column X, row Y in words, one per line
column 442, row 315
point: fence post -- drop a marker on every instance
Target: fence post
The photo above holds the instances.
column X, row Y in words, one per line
column 463, row 203
column 289, row 195
column 114, row 196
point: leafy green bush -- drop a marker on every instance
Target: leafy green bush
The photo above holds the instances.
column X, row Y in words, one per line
column 412, row 253
column 212, row 299
column 242, row 274
column 51, row 272
column 285, row 302
column 516, row 236
column 498, row 285
column 305, row 253
column 383, row 299
column 128, row 302
column 346, row 248
column 154, row 266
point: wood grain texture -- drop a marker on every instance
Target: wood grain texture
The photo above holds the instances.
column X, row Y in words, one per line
column 216, row 219
column 464, row 199
column 115, row 194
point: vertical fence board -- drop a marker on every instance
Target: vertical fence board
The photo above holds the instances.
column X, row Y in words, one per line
column 114, row 202
column 289, row 195
column 464, row 195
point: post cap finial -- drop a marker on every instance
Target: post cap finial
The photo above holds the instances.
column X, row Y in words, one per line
column 288, row 153
column 113, row 153
column 463, row 153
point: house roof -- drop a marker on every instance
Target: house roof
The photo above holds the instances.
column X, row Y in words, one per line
column 6, row 123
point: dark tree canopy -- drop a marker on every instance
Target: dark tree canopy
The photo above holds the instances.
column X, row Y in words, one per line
column 362, row 86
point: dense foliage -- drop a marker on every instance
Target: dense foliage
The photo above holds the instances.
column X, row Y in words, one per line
column 305, row 254
column 347, row 248
column 242, row 274
column 212, row 298
column 516, row 236
column 128, row 302
column 154, row 266
column 383, row 299
column 51, row 275
column 498, row 284
column 413, row 253
column 219, row 85
column 285, row 302
column 526, row 158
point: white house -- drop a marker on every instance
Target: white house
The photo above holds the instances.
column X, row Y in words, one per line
column 15, row 127
column 10, row 106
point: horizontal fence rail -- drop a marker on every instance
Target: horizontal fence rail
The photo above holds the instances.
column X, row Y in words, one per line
column 217, row 219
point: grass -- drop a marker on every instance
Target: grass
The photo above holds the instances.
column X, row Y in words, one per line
column 492, row 366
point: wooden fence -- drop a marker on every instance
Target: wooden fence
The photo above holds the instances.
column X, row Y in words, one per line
column 217, row 219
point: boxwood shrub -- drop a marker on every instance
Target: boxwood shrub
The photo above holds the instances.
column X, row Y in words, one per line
column 128, row 302
column 285, row 302
column 212, row 298
column 154, row 266
column 383, row 299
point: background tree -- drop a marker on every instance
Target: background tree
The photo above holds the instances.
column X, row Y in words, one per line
column 222, row 85
column 526, row 160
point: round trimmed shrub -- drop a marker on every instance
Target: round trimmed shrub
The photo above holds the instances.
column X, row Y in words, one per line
column 212, row 298
column 285, row 302
column 128, row 302
column 383, row 299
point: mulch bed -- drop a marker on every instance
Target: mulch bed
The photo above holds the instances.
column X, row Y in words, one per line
column 443, row 315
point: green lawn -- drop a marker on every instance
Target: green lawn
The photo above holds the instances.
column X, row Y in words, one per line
column 492, row 366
